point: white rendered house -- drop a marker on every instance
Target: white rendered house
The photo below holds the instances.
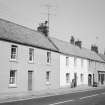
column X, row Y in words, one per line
column 74, row 63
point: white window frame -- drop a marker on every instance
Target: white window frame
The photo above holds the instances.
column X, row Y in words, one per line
column 67, row 77
column 12, row 78
column 31, row 55
column 82, row 77
column 75, row 61
column 48, row 57
column 67, row 61
column 82, row 63
column 48, row 77
column 14, row 54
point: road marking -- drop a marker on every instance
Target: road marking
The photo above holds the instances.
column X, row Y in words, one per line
column 103, row 93
column 89, row 96
column 75, row 100
column 62, row 102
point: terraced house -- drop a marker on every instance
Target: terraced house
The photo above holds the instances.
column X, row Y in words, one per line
column 28, row 61
column 101, row 74
column 31, row 61
column 78, row 64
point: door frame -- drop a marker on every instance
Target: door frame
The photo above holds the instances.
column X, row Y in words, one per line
column 30, row 88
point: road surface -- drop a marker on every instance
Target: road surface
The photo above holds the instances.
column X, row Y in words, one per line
column 93, row 97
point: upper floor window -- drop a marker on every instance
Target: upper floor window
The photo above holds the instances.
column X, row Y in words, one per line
column 75, row 61
column 13, row 52
column 48, row 57
column 12, row 78
column 48, row 76
column 67, row 61
column 31, row 54
column 82, row 77
column 82, row 62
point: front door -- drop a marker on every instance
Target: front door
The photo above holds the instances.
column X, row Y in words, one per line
column 29, row 80
column 75, row 78
column 89, row 79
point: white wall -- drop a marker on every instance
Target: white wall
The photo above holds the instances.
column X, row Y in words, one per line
column 72, row 68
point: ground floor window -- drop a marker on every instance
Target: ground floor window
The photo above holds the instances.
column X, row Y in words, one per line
column 12, row 78
column 48, row 76
column 82, row 77
column 101, row 77
column 67, row 77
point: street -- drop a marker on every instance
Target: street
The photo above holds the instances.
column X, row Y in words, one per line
column 93, row 97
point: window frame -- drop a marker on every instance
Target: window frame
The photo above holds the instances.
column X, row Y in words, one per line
column 12, row 78
column 31, row 55
column 48, row 57
column 75, row 61
column 82, row 77
column 67, row 77
column 48, row 77
column 67, row 61
column 82, row 63
column 14, row 54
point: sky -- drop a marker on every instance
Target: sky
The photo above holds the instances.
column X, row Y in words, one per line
column 83, row 19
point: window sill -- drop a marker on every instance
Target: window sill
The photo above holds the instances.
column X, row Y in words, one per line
column 12, row 86
column 31, row 62
column 48, row 83
column 48, row 63
column 13, row 60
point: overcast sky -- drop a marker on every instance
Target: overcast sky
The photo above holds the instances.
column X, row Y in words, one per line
column 84, row 19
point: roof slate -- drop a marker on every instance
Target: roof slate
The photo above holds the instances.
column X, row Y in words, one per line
column 69, row 49
column 102, row 56
column 20, row 34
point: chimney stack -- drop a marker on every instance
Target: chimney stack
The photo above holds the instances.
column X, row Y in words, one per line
column 94, row 48
column 78, row 43
column 72, row 40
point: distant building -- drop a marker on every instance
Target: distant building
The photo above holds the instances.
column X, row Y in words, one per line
column 77, row 64
column 101, row 73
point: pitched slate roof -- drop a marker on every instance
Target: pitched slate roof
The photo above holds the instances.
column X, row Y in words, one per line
column 102, row 56
column 69, row 49
column 10, row 31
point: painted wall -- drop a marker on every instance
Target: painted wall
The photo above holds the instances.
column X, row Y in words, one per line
column 73, row 68
column 22, row 65
column 94, row 67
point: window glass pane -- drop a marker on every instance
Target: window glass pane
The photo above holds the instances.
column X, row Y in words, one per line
column 12, row 79
column 48, row 57
column 81, row 75
column 31, row 54
column 67, row 77
column 75, row 61
column 13, row 51
column 47, row 75
column 67, row 61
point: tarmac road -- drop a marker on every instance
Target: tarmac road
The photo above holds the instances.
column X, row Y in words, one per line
column 93, row 97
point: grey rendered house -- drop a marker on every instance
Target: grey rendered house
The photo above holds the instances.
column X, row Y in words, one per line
column 28, row 61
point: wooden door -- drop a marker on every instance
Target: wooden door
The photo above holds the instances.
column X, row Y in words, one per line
column 29, row 80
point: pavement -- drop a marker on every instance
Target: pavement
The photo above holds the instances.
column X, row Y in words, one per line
column 9, row 97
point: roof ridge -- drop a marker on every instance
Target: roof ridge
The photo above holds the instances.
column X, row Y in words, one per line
column 11, row 22
column 23, row 35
